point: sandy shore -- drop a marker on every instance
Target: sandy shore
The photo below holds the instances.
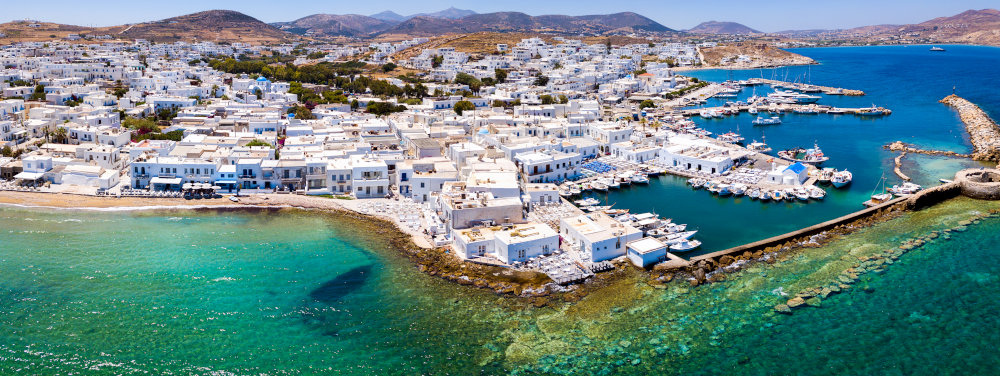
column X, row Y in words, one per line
column 72, row 201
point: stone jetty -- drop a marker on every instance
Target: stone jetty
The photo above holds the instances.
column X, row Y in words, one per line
column 982, row 130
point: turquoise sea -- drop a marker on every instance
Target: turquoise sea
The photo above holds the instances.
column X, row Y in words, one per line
column 909, row 80
column 295, row 292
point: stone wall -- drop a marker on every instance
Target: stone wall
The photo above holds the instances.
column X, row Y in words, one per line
column 983, row 184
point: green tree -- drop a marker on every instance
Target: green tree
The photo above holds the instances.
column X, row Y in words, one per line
column 436, row 61
column 120, row 92
column 462, row 106
column 388, row 67
column 647, row 104
column 39, row 94
column 7, row 151
column 60, row 135
column 563, row 99
column 547, row 99
column 258, row 142
column 500, row 75
column 468, row 79
column 384, row 108
column 301, row 113
column 541, row 80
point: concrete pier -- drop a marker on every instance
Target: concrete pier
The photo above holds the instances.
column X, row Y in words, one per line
column 825, row 89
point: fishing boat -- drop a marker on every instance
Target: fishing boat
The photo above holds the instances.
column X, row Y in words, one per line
column 709, row 114
column 812, row 156
column 686, row 245
column 801, row 193
column 696, row 183
column 712, row 187
column 612, row 183
column 625, row 178
column 777, row 195
column 730, row 137
column 907, row 188
column 760, row 147
column 937, row 49
column 765, row 195
column 725, row 190
column 754, row 193
column 760, row 120
column 599, row 186
column 752, row 110
column 841, row 178
column 825, row 175
column 575, row 190
column 835, row 111
column 816, row 193
column 879, row 198
column 640, row 179
column 565, row 193
column 589, row 201
column 738, row 189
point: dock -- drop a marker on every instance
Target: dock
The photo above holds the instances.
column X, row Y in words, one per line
column 828, row 90
column 779, row 108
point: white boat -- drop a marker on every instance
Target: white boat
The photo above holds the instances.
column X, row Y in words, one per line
column 872, row 111
column 589, row 201
column 739, row 189
column 783, row 96
column 640, row 179
column 725, row 190
column 760, row 120
column 937, row 49
column 813, row 156
column 841, row 178
column 752, row 110
column 801, row 193
column 730, row 137
column 777, row 195
column 612, row 183
column 907, row 188
column 599, row 186
column 765, row 195
column 679, row 236
column 696, row 183
column 754, row 193
column 878, row 199
column 759, row 147
column 575, row 191
column 685, row 246
column 816, row 193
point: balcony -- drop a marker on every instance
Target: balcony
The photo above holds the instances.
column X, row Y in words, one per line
column 251, row 176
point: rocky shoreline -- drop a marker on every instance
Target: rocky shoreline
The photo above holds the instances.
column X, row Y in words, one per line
column 982, row 130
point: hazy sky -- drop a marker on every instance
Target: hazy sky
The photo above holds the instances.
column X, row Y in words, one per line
column 764, row 15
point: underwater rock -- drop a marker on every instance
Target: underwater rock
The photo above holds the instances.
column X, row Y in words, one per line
column 960, row 228
column 834, row 288
column 796, row 302
column 825, row 292
column 783, row 308
column 814, row 302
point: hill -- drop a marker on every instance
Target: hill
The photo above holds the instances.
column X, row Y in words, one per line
column 972, row 26
column 351, row 25
column 717, row 27
column 213, row 25
column 389, row 16
column 450, row 13
column 626, row 22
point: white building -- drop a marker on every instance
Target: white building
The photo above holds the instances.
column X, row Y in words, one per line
column 598, row 236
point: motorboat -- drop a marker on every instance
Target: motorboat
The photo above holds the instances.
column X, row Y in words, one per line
column 599, row 186
column 754, row 193
column 575, row 190
column 937, row 49
column 730, row 137
column 816, row 193
column 825, row 175
column 813, row 156
column 801, row 193
column 752, row 110
column 760, row 120
column 589, row 201
column 678, row 236
column 696, row 183
column 873, row 111
column 777, row 195
column 685, row 246
column 712, row 187
column 841, row 178
column 907, row 188
column 640, row 179
column 878, row 199
column 786, row 96
column 765, row 195
column 725, row 190
column 739, row 189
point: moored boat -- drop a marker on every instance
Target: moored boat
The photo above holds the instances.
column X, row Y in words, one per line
column 841, row 178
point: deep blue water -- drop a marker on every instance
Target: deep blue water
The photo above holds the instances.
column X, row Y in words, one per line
column 909, row 80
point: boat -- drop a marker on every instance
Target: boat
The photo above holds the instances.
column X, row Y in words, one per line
column 759, row 147
column 801, row 193
column 945, row 181
column 575, row 191
column 813, row 156
column 589, row 201
column 777, row 195
column 730, row 137
column 564, row 193
column 806, row 110
column 640, row 179
column 712, row 187
column 624, row 178
column 825, row 175
column 234, row 199
column 696, row 183
column 816, row 193
column 686, row 245
column 709, row 114
column 752, row 110
column 599, row 186
column 754, row 193
column 872, row 111
column 907, row 188
column 836, row 111
column 786, row 96
column 841, row 178
column 765, row 195
column 738, row 189
column 725, row 190
column 879, row 198
column 760, row 120
column 937, row 49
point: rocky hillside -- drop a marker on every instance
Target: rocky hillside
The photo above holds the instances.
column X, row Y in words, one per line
column 351, row 25
column 213, row 25
column 717, row 27
column 626, row 22
column 754, row 55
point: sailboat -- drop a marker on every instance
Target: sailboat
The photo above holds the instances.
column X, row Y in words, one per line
column 879, row 198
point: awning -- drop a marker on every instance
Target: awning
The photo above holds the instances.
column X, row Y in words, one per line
column 29, row 175
column 218, row 182
column 158, row 180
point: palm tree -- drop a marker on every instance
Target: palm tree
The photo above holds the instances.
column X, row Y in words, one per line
column 61, row 135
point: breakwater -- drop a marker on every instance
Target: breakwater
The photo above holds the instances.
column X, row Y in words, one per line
column 982, row 130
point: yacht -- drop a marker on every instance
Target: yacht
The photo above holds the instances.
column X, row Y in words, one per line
column 841, row 178
column 784, row 96
column 686, row 245
column 766, row 121
column 937, row 49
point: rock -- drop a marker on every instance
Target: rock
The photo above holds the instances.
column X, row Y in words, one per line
column 844, row 286
column 814, row 302
column 726, row 260
column 845, row 280
column 694, row 282
column 806, row 294
column 834, row 288
column 699, row 274
column 933, row 235
column 964, row 222
column 825, row 292
column 783, row 308
column 960, row 228
column 796, row 302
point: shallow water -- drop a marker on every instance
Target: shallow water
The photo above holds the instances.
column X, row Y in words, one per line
column 296, row 292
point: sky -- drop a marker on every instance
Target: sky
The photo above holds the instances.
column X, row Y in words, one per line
column 764, row 15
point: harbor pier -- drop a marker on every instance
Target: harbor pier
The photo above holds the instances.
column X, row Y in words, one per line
column 983, row 131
